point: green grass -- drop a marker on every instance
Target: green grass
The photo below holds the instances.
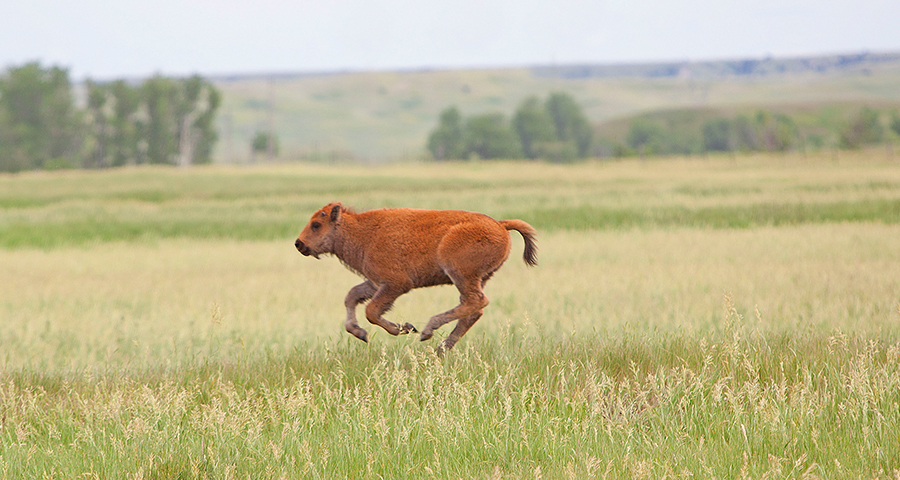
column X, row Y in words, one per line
column 737, row 216
column 714, row 318
column 83, row 208
column 92, row 230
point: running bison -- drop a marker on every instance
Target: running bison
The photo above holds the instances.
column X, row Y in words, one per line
column 399, row 249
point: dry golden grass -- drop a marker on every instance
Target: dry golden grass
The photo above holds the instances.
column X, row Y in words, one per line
column 140, row 304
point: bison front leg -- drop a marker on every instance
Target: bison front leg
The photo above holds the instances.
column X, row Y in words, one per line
column 355, row 296
column 381, row 302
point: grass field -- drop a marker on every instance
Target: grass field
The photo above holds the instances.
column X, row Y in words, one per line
column 696, row 317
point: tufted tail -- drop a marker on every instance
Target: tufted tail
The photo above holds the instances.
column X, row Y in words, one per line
column 528, row 233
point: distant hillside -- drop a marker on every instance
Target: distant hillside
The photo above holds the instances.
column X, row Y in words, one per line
column 863, row 62
column 379, row 116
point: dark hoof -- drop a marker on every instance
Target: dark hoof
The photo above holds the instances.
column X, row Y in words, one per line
column 362, row 335
column 408, row 328
column 425, row 336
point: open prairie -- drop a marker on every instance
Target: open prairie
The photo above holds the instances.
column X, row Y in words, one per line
column 720, row 317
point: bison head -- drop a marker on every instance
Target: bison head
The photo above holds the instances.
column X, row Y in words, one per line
column 318, row 236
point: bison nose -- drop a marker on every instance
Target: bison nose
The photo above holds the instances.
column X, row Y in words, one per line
column 302, row 248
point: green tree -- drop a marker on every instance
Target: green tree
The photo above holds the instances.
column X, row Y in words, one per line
column 13, row 157
column 745, row 134
column 535, row 127
column 570, row 122
column 777, row 132
column 895, row 123
column 164, row 121
column 717, row 135
column 161, row 121
column 865, row 129
column 489, row 136
column 180, row 113
column 97, row 96
column 126, row 128
column 195, row 102
column 39, row 119
column 261, row 141
column 645, row 137
column 446, row 141
column 203, row 125
column 162, row 125
column 786, row 132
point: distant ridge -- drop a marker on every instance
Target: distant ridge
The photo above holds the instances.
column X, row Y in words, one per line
column 726, row 68
column 769, row 65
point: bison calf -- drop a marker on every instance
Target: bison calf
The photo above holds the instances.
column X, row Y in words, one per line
column 399, row 249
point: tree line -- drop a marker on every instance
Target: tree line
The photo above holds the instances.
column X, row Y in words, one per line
column 160, row 120
column 555, row 129
column 692, row 132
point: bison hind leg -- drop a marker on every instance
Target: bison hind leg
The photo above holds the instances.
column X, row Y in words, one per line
column 471, row 305
column 462, row 326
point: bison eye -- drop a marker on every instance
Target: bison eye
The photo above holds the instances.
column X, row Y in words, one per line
column 315, row 226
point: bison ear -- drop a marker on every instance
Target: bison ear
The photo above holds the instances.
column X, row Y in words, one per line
column 335, row 213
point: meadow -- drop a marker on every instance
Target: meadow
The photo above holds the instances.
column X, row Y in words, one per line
column 716, row 317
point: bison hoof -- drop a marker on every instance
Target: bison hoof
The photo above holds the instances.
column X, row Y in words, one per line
column 362, row 335
column 408, row 328
column 425, row 336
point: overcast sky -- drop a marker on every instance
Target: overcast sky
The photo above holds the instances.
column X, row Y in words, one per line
column 113, row 38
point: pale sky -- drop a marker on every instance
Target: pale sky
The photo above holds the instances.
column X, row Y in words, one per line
column 107, row 39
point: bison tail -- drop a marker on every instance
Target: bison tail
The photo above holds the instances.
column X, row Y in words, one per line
column 528, row 233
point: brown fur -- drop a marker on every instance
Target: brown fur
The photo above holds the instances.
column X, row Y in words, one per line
column 399, row 249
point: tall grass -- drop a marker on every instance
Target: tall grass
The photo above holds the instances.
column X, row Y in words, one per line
column 735, row 405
